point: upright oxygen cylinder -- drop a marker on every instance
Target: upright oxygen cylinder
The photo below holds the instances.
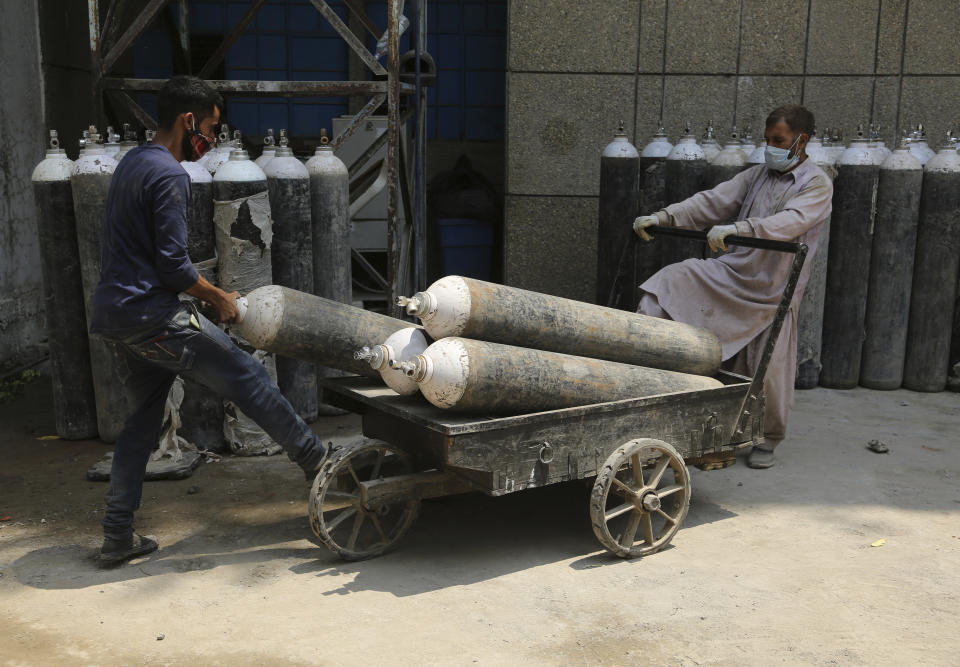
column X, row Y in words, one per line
column 653, row 197
column 619, row 192
column 288, row 183
column 918, row 145
column 482, row 377
column 891, row 270
column 74, row 407
column 848, row 270
column 810, row 313
column 201, row 236
column 837, row 146
column 111, row 145
column 686, row 174
column 129, row 142
column 471, row 308
column 877, row 144
column 709, row 144
column 747, row 143
column 90, row 182
column 727, row 163
column 330, row 210
column 201, row 410
column 217, row 157
column 935, row 274
column 757, row 156
column 244, row 232
column 269, row 150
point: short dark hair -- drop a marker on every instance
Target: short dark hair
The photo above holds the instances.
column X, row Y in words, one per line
column 798, row 118
column 186, row 94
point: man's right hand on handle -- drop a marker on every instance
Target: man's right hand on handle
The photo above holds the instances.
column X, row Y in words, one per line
column 640, row 226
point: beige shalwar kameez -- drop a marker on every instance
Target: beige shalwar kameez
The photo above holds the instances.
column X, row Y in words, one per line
column 736, row 295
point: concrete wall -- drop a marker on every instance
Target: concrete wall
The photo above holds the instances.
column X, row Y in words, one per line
column 21, row 147
column 577, row 68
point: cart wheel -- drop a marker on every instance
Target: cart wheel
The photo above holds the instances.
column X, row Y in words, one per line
column 625, row 501
column 341, row 521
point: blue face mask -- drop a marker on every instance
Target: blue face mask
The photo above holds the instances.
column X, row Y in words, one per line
column 779, row 159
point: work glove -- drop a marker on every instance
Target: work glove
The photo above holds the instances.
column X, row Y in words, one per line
column 640, row 226
column 716, row 235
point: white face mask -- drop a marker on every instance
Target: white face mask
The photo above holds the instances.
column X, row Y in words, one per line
column 779, row 159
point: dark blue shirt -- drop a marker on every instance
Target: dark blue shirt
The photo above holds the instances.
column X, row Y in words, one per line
column 145, row 260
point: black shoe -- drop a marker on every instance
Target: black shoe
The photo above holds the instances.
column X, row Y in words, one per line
column 117, row 550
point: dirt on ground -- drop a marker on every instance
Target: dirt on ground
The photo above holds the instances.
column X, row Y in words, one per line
column 770, row 567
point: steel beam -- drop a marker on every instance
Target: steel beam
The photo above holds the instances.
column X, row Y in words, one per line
column 140, row 23
column 231, row 39
column 347, row 34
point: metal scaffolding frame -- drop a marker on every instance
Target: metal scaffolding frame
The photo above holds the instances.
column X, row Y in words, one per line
column 406, row 236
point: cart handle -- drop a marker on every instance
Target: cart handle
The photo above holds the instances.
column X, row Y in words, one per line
column 799, row 251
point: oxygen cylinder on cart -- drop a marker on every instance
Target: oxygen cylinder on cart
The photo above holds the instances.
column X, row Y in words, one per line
column 482, row 377
column 619, row 194
column 848, row 269
column 90, row 182
column 399, row 346
column 891, row 270
column 288, row 183
column 330, row 212
column 470, row 308
column 74, row 407
column 935, row 274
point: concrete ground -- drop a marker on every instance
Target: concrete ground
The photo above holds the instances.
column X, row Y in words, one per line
column 771, row 567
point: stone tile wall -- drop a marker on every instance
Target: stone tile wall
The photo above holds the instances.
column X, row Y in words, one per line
column 576, row 68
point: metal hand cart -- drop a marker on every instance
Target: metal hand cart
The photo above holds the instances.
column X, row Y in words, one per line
column 366, row 497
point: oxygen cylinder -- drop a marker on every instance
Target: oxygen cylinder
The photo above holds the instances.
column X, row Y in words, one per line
column 848, row 269
column 747, row 144
column 810, row 313
column 709, row 143
column 74, row 407
column 219, row 155
column 758, row 156
column 877, row 144
column 686, row 173
column 918, row 145
column 728, row 163
column 470, row 308
column 837, row 146
column 399, row 346
column 90, row 182
column 129, row 142
column 111, row 145
column 935, row 274
column 201, row 411
column 288, row 183
column 653, row 197
column 330, row 210
column 619, row 193
column 201, row 237
column 269, row 149
column 478, row 376
column 244, row 233
column 891, row 270
column 303, row 326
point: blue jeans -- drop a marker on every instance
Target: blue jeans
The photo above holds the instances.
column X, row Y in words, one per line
column 205, row 354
